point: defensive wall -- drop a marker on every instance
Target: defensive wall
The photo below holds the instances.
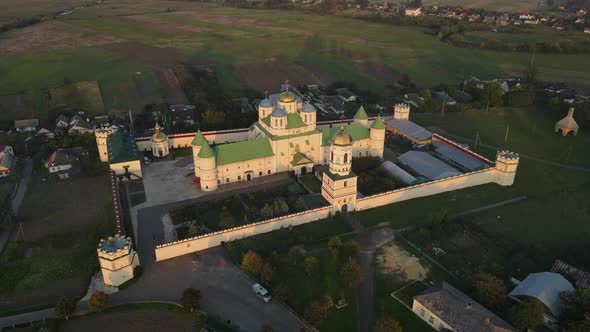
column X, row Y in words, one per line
column 492, row 173
column 224, row 136
column 190, row 245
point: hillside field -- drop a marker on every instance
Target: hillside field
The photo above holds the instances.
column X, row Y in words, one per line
column 126, row 47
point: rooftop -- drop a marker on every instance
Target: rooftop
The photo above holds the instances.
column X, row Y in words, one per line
column 300, row 159
column 113, row 244
column 121, row 148
column 361, row 114
column 241, row 151
column 458, row 156
column 459, row 311
column 355, row 130
column 26, row 123
column 427, row 165
column 544, row 286
column 410, row 129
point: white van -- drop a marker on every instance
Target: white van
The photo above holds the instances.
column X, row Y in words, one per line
column 261, row 292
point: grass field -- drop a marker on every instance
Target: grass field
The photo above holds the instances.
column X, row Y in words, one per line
column 256, row 48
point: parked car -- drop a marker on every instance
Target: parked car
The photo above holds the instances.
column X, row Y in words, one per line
column 261, row 292
column 146, row 160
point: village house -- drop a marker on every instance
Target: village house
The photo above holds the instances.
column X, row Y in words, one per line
column 43, row 132
column 6, row 160
column 413, row 11
column 27, row 125
column 445, row 308
column 62, row 161
column 413, row 99
column 62, row 121
column 445, row 98
column 81, row 127
column 181, row 113
column 346, row 95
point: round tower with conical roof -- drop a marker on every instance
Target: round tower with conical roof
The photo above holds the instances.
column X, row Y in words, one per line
column 377, row 141
column 197, row 143
column 159, row 142
column 207, row 168
column 362, row 117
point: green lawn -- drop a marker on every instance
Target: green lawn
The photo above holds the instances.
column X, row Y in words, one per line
column 310, row 182
column 303, row 46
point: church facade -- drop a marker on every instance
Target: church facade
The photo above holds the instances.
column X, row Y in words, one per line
column 284, row 138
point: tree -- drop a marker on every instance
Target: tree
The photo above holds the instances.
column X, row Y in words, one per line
column 351, row 273
column 295, row 255
column 252, row 262
column 281, row 292
column 387, row 324
column 575, row 309
column 226, row 219
column 527, row 315
column 329, row 5
column 266, row 272
column 266, row 212
column 299, row 204
column 311, row 265
column 350, row 249
column 334, row 245
column 315, row 313
column 64, row 307
column 578, row 326
column 490, row 290
column 190, row 299
column 492, row 94
column 98, row 300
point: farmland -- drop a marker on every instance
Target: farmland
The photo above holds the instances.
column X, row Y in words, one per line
column 128, row 49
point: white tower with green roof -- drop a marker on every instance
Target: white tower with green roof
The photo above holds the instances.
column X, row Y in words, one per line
column 339, row 183
column 197, row 143
column 207, row 168
column 362, row 117
column 377, row 141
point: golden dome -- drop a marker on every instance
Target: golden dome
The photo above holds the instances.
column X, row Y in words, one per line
column 287, row 97
column 342, row 138
column 158, row 137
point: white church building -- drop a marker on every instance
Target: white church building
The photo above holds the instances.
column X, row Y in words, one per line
column 284, row 138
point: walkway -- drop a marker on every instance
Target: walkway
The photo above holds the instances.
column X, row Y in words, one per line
column 365, row 304
column 26, row 318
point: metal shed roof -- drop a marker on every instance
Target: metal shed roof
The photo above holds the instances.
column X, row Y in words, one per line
column 427, row 165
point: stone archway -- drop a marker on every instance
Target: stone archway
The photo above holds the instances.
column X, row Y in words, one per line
column 248, row 177
column 303, row 170
column 344, row 209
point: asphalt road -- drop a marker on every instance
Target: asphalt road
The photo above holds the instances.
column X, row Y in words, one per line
column 226, row 289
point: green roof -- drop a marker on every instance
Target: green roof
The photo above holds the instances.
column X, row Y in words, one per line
column 206, row 151
column 121, row 148
column 356, row 130
column 294, row 121
column 300, row 159
column 378, row 123
column 278, row 138
column 199, row 139
column 361, row 114
column 241, row 151
column 333, row 176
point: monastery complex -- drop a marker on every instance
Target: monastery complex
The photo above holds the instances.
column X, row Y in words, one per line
column 287, row 138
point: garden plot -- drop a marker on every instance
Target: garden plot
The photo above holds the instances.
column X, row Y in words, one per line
column 395, row 260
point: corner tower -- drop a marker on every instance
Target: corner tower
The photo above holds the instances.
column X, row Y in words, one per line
column 362, row 117
column 401, row 112
column 506, row 165
column 339, row 183
column 197, row 143
column 101, row 136
column 207, row 168
column 377, row 141
column 117, row 259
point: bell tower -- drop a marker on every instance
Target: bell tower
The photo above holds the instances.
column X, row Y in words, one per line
column 339, row 183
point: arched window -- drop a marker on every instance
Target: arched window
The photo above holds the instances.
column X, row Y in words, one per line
column 345, row 158
column 345, row 183
column 332, row 156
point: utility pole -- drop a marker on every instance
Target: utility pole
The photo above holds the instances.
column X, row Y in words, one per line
column 506, row 136
column 443, row 108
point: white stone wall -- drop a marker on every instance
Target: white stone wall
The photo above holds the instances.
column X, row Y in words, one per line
column 239, row 171
column 178, row 248
column 116, row 277
column 185, row 140
column 489, row 175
